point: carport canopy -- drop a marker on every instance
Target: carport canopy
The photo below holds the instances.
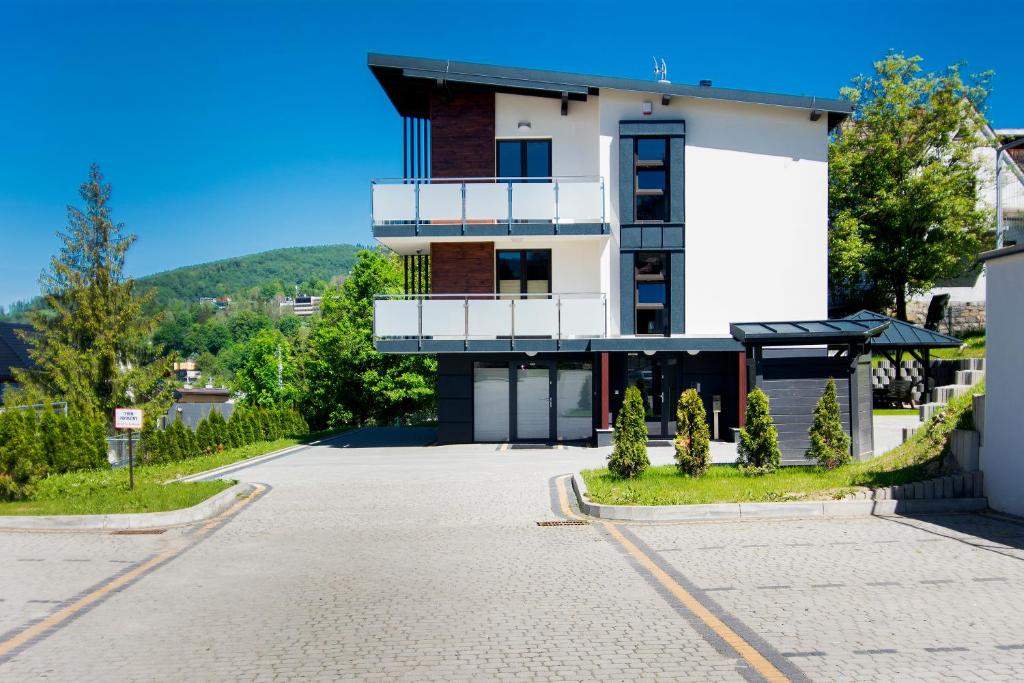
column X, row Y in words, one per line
column 899, row 337
column 808, row 332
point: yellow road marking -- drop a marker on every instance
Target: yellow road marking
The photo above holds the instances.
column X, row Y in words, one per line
column 734, row 640
column 66, row 613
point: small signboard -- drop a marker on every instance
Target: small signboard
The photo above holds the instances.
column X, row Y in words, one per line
column 716, row 404
column 127, row 418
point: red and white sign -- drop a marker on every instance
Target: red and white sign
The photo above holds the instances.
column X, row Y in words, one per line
column 127, row 418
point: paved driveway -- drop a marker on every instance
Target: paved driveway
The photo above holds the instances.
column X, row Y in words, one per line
column 376, row 557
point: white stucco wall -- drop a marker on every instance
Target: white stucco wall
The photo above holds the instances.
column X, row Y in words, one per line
column 1002, row 458
column 756, row 192
column 573, row 137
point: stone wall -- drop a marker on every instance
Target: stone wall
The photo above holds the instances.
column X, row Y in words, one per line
column 961, row 316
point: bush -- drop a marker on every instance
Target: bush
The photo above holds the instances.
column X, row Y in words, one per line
column 830, row 445
column 18, row 453
column 204, row 435
column 693, row 439
column 758, row 449
column 628, row 458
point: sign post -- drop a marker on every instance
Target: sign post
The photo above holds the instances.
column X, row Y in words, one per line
column 130, row 419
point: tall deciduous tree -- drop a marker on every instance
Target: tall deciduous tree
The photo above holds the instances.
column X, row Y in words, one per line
column 267, row 374
column 903, row 187
column 347, row 380
column 91, row 342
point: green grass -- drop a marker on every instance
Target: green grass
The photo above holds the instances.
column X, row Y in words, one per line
column 918, row 458
column 896, row 411
column 97, row 492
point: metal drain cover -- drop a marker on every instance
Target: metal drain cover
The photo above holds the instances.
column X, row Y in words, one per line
column 563, row 522
column 138, row 532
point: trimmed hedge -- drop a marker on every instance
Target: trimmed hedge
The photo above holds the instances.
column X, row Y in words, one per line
column 35, row 444
column 214, row 434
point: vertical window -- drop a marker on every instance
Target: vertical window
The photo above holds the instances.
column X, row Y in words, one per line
column 650, row 183
column 523, row 272
column 524, row 159
column 651, row 297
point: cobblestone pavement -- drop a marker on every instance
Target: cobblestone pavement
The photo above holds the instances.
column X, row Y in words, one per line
column 374, row 557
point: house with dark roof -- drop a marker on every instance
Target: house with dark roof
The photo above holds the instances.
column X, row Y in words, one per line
column 565, row 236
column 13, row 352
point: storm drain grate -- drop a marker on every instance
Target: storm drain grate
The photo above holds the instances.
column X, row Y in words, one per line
column 563, row 522
column 138, row 532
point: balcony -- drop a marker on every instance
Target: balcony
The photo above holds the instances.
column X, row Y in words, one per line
column 468, row 318
column 445, row 207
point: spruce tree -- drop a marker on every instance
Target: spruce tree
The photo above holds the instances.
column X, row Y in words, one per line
column 91, row 344
column 693, row 439
column 204, row 435
column 830, row 445
column 628, row 458
column 758, row 449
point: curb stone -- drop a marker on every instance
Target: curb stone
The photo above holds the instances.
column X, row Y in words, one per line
column 818, row 508
column 211, row 507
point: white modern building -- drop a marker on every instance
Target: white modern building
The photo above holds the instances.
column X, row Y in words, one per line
column 567, row 235
column 1002, row 458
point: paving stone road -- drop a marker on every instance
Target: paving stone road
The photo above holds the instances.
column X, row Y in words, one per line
column 374, row 557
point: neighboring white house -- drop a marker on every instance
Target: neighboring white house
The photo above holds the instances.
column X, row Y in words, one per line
column 1002, row 457
column 967, row 292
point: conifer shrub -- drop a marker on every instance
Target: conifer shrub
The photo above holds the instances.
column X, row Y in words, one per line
column 204, row 435
column 693, row 439
column 628, row 458
column 830, row 444
column 758, row 449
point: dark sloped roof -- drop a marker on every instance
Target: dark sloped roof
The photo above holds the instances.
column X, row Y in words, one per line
column 803, row 332
column 900, row 334
column 13, row 350
column 406, row 79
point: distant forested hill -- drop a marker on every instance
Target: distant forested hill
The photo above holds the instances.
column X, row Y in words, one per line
column 233, row 275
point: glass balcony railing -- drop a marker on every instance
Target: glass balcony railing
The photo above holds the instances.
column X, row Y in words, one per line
column 490, row 316
column 462, row 201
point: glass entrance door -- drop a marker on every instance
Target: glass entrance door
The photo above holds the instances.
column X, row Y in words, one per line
column 533, row 402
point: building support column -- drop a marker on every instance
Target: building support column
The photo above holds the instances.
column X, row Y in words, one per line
column 604, row 390
column 741, row 357
column 854, row 405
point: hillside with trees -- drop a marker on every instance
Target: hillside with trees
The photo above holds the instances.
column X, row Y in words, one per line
column 271, row 272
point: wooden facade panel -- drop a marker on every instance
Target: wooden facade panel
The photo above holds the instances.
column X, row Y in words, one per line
column 462, row 135
column 462, row 267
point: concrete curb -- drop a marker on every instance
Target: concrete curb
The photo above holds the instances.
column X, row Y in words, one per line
column 249, row 462
column 817, row 508
column 211, row 507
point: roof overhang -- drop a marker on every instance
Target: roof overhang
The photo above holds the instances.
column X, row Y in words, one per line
column 408, row 82
column 807, row 332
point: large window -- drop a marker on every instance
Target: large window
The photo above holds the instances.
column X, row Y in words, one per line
column 524, row 271
column 650, row 185
column 651, row 297
column 524, row 159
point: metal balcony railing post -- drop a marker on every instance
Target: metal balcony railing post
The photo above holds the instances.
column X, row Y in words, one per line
column 602, row 204
column 512, row 336
column 556, row 205
column 466, row 322
column 419, row 323
column 604, row 301
column 463, row 207
column 558, row 314
column 510, row 207
column 417, row 193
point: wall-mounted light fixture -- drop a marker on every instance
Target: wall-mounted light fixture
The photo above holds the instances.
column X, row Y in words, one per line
column 648, row 108
column 525, row 125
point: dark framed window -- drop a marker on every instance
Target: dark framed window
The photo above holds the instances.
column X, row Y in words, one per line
column 650, row 179
column 524, row 159
column 651, row 292
column 523, row 271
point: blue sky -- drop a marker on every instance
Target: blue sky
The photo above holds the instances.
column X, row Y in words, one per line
column 232, row 127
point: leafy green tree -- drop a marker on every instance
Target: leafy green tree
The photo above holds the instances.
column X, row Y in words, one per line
column 830, row 444
column 19, row 455
column 92, row 340
column 289, row 325
column 693, row 439
column 758, row 449
column 628, row 458
column 267, row 374
column 244, row 325
column 346, row 380
column 903, row 186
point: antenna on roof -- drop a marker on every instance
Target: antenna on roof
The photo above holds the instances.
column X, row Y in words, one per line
column 661, row 71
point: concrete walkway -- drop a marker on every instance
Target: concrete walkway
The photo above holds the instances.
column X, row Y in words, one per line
column 377, row 557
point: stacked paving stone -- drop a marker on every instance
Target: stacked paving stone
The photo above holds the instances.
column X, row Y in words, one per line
column 965, row 372
column 963, row 485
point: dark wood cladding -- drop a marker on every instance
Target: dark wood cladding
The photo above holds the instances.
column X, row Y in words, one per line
column 462, row 135
column 462, row 267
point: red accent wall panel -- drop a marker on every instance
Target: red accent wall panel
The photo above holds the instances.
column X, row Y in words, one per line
column 462, row 135
column 462, row 267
